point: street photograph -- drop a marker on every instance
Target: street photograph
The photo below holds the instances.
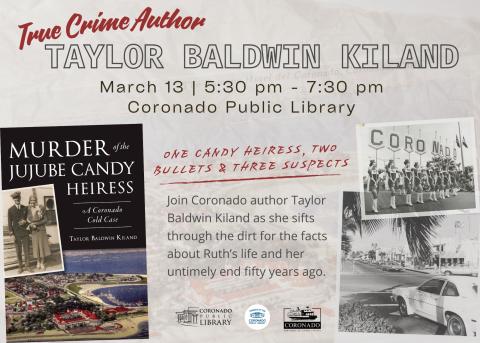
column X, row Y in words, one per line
column 415, row 275
column 424, row 167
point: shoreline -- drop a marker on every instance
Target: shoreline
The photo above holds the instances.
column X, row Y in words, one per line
column 131, row 330
column 86, row 291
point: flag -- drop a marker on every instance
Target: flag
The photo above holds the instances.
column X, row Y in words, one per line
column 465, row 143
column 458, row 141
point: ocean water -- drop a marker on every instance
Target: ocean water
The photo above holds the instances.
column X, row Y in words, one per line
column 117, row 262
column 131, row 295
column 142, row 330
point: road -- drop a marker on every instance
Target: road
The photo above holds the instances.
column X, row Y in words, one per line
column 366, row 284
column 464, row 200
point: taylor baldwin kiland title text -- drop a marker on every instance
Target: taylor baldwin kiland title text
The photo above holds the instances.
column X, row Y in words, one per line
column 251, row 56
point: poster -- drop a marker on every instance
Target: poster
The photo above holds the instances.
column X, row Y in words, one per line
column 265, row 171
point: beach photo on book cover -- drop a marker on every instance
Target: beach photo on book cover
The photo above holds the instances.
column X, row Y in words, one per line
column 102, row 294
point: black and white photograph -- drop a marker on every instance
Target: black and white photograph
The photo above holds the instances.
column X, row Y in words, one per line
column 421, row 167
column 31, row 238
column 410, row 275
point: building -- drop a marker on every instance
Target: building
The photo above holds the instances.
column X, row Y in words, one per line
column 453, row 252
column 75, row 318
column 188, row 316
column 116, row 310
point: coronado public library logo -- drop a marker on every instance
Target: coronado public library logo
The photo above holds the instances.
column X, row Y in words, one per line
column 195, row 316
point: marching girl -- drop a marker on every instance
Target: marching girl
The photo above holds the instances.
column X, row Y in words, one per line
column 408, row 175
column 392, row 179
column 446, row 181
column 453, row 179
column 424, row 182
column 420, row 180
column 401, row 182
column 440, row 182
column 432, row 181
column 372, row 182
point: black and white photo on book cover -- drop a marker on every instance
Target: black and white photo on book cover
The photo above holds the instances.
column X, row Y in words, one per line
column 31, row 239
column 74, row 233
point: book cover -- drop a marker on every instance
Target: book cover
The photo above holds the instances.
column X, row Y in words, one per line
column 74, row 233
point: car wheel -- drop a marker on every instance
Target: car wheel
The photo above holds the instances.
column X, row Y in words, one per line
column 402, row 307
column 455, row 326
column 448, row 272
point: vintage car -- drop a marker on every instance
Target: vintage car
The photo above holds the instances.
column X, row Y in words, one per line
column 451, row 301
column 392, row 267
column 459, row 269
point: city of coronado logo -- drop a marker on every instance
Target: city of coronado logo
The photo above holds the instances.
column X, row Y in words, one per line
column 302, row 318
column 257, row 317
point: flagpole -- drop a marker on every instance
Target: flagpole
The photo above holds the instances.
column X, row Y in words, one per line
column 461, row 144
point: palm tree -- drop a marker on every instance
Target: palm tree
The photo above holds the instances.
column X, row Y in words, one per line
column 418, row 230
column 382, row 255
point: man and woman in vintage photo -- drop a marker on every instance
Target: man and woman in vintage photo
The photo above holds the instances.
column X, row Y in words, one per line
column 27, row 225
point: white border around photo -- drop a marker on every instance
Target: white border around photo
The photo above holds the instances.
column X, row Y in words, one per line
column 58, row 230
column 362, row 157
